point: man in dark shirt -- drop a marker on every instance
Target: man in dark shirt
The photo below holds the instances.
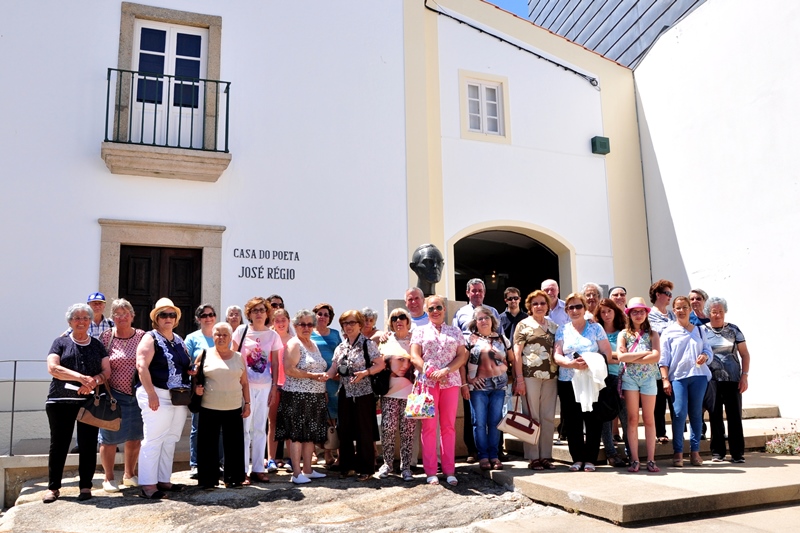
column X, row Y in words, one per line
column 513, row 314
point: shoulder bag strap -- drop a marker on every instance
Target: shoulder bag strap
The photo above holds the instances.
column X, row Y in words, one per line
column 367, row 360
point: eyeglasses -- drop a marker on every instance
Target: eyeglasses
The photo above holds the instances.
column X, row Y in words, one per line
column 433, row 308
column 325, row 315
column 575, row 307
column 168, row 315
column 483, row 318
column 667, row 293
column 305, row 325
column 258, row 310
column 637, row 312
column 512, row 298
column 120, row 316
column 538, row 304
column 349, row 323
column 276, row 305
column 398, row 317
column 206, row 315
column 81, row 318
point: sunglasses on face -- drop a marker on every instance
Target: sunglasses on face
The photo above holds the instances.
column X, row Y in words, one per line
column 207, row 315
column 168, row 315
column 305, row 325
column 276, row 305
column 575, row 307
column 433, row 308
column 398, row 317
column 512, row 299
column 349, row 323
column 258, row 311
column 667, row 293
column 538, row 304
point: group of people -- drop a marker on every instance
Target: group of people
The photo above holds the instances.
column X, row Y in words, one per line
column 265, row 380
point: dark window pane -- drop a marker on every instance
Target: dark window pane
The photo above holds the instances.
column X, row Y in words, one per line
column 187, row 68
column 153, row 40
column 151, row 64
column 188, row 45
column 149, row 91
column 186, row 95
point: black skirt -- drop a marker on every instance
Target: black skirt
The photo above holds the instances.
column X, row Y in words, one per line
column 302, row 417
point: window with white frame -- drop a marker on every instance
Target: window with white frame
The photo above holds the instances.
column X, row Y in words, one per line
column 484, row 107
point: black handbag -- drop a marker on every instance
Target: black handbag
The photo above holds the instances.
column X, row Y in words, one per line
column 101, row 410
column 380, row 381
column 180, row 395
column 198, row 379
column 608, row 404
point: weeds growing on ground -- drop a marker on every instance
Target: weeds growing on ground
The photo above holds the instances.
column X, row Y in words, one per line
column 786, row 444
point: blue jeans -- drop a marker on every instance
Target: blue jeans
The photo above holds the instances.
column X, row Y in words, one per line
column 487, row 411
column 689, row 394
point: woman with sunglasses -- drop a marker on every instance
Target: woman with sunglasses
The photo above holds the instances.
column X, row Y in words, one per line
column 660, row 317
column 196, row 342
column 638, row 347
column 534, row 376
column 393, row 404
column 163, row 363
column 302, row 413
column 327, row 339
column 260, row 346
column 438, row 352
column 577, row 337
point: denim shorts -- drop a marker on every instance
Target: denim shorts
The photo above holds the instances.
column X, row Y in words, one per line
column 130, row 427
column 645, row 385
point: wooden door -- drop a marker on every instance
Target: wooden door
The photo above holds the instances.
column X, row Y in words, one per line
column 147, row 273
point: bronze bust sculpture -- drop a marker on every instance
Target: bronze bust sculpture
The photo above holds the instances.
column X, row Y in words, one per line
column 427, row 263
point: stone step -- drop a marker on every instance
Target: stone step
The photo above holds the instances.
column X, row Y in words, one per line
column 673, row 493
column 757, row 431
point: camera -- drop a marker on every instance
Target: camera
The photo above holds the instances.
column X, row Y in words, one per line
column 344, row 369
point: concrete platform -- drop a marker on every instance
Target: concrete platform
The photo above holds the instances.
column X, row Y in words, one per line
column 674, row 493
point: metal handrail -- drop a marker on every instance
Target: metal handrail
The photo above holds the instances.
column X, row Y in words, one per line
column 14, row 396
column 128, row 94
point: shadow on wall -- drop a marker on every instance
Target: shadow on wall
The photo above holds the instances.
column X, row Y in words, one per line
column 665, row 254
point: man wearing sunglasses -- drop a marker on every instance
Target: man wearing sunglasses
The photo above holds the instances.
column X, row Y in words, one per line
column 513, row 315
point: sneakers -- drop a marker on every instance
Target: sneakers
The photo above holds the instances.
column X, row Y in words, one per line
column 288, row 465
column 384, row 471
column 271, row 466
column 738, row 460
column 110, row 486
column 193, row 473
column 717, row 458
column 407, row 475
column 130, row 481
column 315, row 475
column 300, row 479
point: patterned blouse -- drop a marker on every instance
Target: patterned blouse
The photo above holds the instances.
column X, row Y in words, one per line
column 310, row 362
column 638, row 371
column 122, row 356
column 578, row 342
column 354, row 355
column 537, row 347
column 438, row 350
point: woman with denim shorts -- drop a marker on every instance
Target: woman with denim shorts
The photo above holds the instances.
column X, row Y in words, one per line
column 638, row 347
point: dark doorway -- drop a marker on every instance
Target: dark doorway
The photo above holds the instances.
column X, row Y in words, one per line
column 147, row 273
column 503, row 259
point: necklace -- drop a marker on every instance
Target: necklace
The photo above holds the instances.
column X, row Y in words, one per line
column 82, row 342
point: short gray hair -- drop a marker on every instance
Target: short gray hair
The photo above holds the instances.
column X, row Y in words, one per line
column 715, row 300
column 476, row 281
column 701, row 292
column 303, row 313
column 222, row 325
column 368, row 312
column 124, row 304
column 415, row 289
column 594, row 286
column 234, row 308
column 74, row 308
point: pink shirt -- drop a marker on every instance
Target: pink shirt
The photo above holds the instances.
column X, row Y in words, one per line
column 438, row 351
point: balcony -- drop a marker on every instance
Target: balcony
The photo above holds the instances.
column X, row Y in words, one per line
column 166, row 126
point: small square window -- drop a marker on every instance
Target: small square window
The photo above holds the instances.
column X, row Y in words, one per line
column 484, row 107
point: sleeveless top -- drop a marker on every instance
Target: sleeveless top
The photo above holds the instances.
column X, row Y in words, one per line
column 310, row 362
column 170, row 363
column 639, row 371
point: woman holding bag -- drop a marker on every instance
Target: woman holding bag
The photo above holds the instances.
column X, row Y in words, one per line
column 438, row 352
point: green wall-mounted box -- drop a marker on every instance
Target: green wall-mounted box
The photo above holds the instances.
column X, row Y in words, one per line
column 601, row 145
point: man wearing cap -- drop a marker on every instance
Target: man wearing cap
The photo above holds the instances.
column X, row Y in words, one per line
column 97, row 301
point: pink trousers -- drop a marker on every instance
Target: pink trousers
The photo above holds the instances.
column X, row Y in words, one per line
column 446, row 404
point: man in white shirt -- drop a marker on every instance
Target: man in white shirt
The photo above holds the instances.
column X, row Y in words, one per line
column 558, row 313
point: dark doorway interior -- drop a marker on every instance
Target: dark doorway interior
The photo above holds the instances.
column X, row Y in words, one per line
column 503, row 259
column 147, row 273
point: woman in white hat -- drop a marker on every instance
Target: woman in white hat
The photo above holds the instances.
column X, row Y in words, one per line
column 163, row 364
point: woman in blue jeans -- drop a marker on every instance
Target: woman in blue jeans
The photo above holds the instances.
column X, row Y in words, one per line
column 685, row 373
column 486, row 377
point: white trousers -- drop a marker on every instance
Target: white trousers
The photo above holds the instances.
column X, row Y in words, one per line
column 255, row 427
column 162, row 430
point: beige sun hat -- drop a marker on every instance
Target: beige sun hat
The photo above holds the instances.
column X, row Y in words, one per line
column 392, row 348
column 164, row 304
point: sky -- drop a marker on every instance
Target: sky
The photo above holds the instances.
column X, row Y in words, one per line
column 518, row 7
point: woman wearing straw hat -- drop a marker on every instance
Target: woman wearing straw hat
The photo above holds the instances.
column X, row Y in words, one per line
column 163, row 363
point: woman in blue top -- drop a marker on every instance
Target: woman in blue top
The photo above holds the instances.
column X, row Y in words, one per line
column 611, row 317
column 684, row 370
column 577, row 337
column 196, row 342
column 327, row 340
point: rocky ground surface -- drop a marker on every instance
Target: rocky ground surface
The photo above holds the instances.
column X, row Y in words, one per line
column 330, row 504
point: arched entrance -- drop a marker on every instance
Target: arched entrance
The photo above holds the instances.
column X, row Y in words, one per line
column 502, row 259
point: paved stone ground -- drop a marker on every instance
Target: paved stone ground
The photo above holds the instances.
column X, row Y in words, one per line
column 329, row 504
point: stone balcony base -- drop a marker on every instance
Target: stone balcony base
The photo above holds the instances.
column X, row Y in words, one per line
column 163, row 162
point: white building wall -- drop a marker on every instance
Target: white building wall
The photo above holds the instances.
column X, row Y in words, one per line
column 316, row 133
column 547, row 176
column 718, row 110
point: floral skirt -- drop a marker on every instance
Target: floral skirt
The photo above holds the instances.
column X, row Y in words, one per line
column 302, row 417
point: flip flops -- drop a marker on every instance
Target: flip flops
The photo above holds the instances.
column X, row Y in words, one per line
column 634, row 466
